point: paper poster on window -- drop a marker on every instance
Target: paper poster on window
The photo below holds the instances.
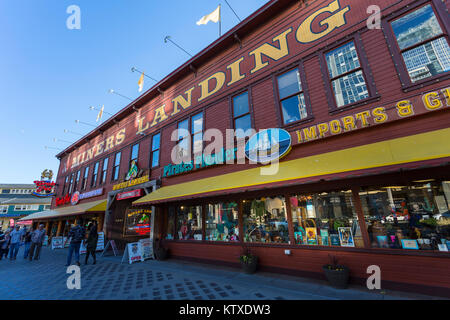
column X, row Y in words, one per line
column 324, row 236
column 346, row 237
column 137, row 222
column 311, row 236
column 410, row 244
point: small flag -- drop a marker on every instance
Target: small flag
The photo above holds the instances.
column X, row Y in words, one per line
column 141, row 82
column 100, row 114
column 213, row 16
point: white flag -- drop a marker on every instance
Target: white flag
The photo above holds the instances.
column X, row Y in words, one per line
column 141, row 82
column 100, row 114
column 213, row 16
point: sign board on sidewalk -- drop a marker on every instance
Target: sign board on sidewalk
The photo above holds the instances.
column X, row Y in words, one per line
column 57, row 243
column 45, row 242
column 134, row 252
column 147, row 249
column 112, row 244
column 100, row 243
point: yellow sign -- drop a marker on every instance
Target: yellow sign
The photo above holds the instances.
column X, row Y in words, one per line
column 131, row 183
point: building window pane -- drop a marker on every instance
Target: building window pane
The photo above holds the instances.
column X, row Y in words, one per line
column 415, row 216
column 85, row 178
column 197, row 123
column 292, row 99
column 328, row 218
column 294, row 109
column 116, row 167
column 170, row 224
column 104, row 171
column 222, row 222
column 423, row 56
column 77, row 180
column 189, row 223
column 415, row 27
column 240, row 105
column 135, row 153
column 265, row 220
column 155, row 150
column 95, row 174
column 289, row 83
column 347, row 78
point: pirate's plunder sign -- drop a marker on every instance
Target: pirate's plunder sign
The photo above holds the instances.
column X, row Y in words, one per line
column 45, row 187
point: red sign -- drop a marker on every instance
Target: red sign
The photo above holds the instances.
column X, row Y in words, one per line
column 75, row 198
column 26, row 222
column 129, row 194
column 44, row 188
column 62, row 201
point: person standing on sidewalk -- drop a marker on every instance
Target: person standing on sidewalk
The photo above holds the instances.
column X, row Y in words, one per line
column 37, row 238
column 4, row 244
column 16, row 236
column 91, row 242
column 76, row 236
column 27, row 242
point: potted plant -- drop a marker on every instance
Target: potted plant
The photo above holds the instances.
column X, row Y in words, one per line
column 249, row 262
column 337, row 275
column 160, row 252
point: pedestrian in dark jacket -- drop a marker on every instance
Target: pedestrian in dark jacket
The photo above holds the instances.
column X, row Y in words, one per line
column 76, row 236
column 4, row 245
column 91, row 242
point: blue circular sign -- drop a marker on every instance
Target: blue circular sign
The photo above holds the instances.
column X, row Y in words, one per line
column 268, row 145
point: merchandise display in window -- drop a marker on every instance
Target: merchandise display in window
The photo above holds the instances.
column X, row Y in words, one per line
column 265, row 220
column 326, row 219
column 222, row 222
column 189, row 223
column 414, row 216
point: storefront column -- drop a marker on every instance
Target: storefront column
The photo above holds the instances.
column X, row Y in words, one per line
column 204, row 222
column 241, row 222
column 289, row 217
column 101, row 219
column 47, row 232
column 360, row 213
column 58, row 231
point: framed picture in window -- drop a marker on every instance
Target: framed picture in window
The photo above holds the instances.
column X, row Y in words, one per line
column 311, row 236
column 410, row 244
column 346, row 237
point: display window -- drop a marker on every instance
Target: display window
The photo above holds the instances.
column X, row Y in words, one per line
column 222, row 222
column 414, row 216
column 265, row 220
column 327, row 219
column 170, row 229
column 189, row 223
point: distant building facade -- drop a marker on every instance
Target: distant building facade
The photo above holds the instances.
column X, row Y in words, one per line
column 17, row 201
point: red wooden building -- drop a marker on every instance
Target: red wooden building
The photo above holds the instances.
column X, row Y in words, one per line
column 367, row 177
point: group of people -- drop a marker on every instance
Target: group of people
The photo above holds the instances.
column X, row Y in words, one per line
column 14, row 238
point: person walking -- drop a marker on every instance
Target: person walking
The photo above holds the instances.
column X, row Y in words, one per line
column 76, row 236
column 4, row 244
column 16, row 237
column 37, row 238
column 27, row 242
column 91, row 242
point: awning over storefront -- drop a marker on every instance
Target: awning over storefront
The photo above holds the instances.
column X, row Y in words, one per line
column 420, row 147
column 93, row 206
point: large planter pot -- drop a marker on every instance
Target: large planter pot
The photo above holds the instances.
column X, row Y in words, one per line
column 337, row 278
column 250, row 266
column 161, row 254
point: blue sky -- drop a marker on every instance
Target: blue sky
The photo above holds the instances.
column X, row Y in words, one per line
column 50, row 75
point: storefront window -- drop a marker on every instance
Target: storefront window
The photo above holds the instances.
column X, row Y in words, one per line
column 189, row 223
column 327, row 219
column 222, row 222
column 170, row 224
column 265, row 220
column 414, row 216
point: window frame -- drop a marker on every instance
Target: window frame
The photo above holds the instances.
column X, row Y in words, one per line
column 85, row 178
column 250, row 108
column 364, row 67
column 191, row 135
column 439, row 10
column 116, row 166
column 76, row 180
column 153, row 151
column 104, row 172
column 95, row 174
column 305, row 90
column 131, row 153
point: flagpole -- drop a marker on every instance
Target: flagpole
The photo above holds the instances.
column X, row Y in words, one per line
column 220, row 20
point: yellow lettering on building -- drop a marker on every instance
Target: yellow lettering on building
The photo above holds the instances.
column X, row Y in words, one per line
column 299, row 136
column 141, row 128
column 446, row 93
column 335, row 126
column 180, row 100
column 120, row 137
column 405, row 108
column 74, row 162
column 304, row 31
column 310, row 133
column 379, row 114
column 220, row 80
column 160, row 115
column 322, row 128
column 235, row 71
column 271, row 51
column 109, row 143
column 349, row 123
column 99, row 147
column 90, row 154
column 431, row 101
column 362, row 116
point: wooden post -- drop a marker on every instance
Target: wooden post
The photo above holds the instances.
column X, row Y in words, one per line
column 46, row 228
column 360, row 213
column 58, row 231
column 289, row 218
column 101, row 219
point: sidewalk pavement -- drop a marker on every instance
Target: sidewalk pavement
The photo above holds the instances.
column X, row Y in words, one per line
column 110, row 279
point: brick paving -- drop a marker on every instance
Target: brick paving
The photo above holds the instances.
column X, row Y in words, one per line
column 110, row 279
